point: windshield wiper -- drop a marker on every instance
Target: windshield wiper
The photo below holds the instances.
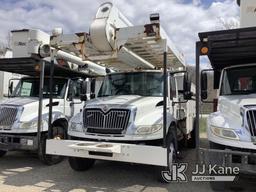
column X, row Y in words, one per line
column 104, row 95
column 241, row 93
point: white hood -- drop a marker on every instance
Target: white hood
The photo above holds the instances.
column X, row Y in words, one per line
column 230, row 105
column 144, row 105
column 17, row 101
column 124, row 100
column 29, row 104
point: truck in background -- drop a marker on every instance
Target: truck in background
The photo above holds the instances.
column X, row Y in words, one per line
column 24, row 115
column 5, row 76
column 143, row 109
column 231, row 128
column 247, row 13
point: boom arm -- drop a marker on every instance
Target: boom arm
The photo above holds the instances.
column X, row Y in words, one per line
column 114, row 43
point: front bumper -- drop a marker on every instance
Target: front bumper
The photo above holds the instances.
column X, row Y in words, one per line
column 121, row 138
column 18, row 142
column 231, row 143
column 133, row 153
column 245, row 161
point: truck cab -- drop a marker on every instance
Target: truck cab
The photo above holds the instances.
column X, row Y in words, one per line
column 19, row 113
column 233, row 125
column 128, row 108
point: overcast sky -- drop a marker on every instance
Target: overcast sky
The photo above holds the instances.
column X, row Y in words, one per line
column 182, row 19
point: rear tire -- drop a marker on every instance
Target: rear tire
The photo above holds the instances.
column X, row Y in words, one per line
column 58, row 133
column 80, row 164
column 2, row 153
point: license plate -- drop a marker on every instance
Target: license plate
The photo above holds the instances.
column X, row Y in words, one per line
column 30, row 142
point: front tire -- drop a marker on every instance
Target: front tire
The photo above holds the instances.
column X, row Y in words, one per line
column 58, row 133
column 80, row 164
column 191, row 144
column 2, row 153
column 164, row 173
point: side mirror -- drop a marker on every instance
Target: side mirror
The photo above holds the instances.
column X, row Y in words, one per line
column 204, row 86
column 10, row 88
column 187, row 94
column 93, row 84
column 83, row 93
column 216, row 79
column 70, row 92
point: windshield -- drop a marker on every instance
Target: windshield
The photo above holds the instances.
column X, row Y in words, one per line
column 240, row 80
column 30, row 88
column 139, row 83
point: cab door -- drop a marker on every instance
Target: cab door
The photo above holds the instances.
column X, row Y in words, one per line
column 74, row 104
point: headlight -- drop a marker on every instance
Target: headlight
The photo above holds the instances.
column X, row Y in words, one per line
column 225, row 133
column 76, row 127
column 32, row 124
column 148, row 129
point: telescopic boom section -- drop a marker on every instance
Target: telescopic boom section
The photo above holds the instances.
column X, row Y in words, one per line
column 115, row 42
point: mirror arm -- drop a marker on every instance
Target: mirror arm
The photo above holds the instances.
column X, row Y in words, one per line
column 75, row 103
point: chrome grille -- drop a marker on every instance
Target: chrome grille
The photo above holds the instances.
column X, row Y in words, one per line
column 251, row 120
column 7, row 116
column 112, row 122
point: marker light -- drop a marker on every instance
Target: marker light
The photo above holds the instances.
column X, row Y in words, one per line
column 204, row 50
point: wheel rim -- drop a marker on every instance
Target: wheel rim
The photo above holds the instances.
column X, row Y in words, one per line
column 58, row 137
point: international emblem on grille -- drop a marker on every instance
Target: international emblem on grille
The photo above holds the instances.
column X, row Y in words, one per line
column 105, row 108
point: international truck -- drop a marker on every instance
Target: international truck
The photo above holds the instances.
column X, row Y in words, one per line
column 143, row 109
column 231, row 127
column 24, row 115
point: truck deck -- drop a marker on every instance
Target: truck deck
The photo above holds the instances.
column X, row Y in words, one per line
column 28, row 66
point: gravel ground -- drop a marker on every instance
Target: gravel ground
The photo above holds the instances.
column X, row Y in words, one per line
column 24, row 172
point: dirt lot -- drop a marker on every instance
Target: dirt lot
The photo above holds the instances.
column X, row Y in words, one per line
column 23, row 172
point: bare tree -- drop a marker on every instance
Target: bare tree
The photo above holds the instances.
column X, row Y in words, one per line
column 4, row 45
column 227, row 23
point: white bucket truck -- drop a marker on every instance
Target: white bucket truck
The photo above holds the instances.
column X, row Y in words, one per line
column 24, row 116
column 142, row 110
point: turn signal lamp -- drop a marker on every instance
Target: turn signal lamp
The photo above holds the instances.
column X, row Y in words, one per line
column 37, row 67
column 204, row 50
